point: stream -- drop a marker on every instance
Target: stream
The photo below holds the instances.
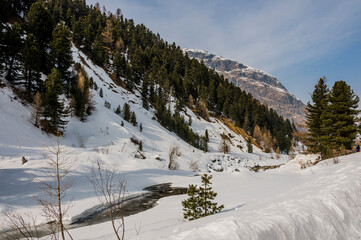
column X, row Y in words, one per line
column 132, row 204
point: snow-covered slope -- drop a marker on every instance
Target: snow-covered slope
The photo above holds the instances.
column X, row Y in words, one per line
column 263, row 86
column 101, row 138
column 320, row 202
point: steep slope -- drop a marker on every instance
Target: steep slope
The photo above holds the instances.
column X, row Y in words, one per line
column 260, row 84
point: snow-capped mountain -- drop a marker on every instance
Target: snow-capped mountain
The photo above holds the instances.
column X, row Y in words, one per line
column 263, row 86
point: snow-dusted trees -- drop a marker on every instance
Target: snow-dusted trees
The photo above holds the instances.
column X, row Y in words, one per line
column 199, row 204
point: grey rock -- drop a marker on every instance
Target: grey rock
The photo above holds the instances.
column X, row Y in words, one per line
column 263, row 86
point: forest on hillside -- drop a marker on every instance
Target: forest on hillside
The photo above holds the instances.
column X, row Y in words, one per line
column 36, row 40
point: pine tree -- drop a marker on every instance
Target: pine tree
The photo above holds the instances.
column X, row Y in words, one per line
column 249, row 145
column 101, row 92
column 12, row 45
column 119, row 64
column 206, row 135
column 126, row 112
column 314, row 117
column 133, row 119
column 199, row 204
column 54, row 110
column 31, row 65
column 40, row 23
column 118, row 110
column 191, row 208
column 340, row 117
column 61, row 55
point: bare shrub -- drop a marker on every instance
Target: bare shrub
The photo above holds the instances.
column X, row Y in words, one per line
column 134, row 140
column 16, row 227
column 172, row 154
column 224, row 146
column 292, row 155
column 105, row 149
column 193, row 165
column 110, row 190
column 305, row 164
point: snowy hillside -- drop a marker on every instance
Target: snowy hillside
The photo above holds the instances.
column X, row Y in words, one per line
column 320, row 202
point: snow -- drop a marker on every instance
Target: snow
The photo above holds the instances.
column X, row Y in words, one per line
column 319, row 202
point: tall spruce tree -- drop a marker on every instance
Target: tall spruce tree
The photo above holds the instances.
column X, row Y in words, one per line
column 31, row 54
column 314, row 115
column 54, row 109
column 60, row 53
column 40, row 23
column 340, row 117
column 12, row 44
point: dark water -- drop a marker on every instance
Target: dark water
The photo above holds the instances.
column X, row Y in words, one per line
column 131, row 205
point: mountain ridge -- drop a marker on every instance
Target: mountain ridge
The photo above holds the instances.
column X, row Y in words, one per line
column 262, row 85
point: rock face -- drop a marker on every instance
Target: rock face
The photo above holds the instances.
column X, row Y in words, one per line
column 263, row 86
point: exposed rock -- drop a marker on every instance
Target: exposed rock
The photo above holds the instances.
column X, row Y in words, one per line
column 263, row 86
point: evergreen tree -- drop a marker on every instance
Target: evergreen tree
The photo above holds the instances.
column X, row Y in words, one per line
column 11, row 47
column 31, row 65
column 118, row 110
column 314, row 117
column 60, row 53
column 54, row 110
column 249, row 145
column 199, row 204
column 40, row 24
column 126, row 112
column 206, row 135
column 119, row 64
column 133, row 119
column 191, row 208
column 340, row 117
column 101, row 92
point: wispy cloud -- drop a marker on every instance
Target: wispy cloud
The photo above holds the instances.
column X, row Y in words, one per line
column 266, row 34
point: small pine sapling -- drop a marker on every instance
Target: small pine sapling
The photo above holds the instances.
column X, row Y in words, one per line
column 191, row 208
column 199, row 204
column 101, row 92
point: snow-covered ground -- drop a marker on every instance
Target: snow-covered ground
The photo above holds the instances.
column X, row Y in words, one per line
column 320, row 202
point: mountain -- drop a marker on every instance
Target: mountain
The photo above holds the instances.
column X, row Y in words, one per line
column 263, row 86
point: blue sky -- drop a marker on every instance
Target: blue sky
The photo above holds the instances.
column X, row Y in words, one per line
column 296, row 41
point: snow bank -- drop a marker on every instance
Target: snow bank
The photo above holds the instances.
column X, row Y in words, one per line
column 327, row 207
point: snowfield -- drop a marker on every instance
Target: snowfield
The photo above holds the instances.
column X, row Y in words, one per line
column 319, row 202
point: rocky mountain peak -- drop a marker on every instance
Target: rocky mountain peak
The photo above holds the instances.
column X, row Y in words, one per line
column 263, row 86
